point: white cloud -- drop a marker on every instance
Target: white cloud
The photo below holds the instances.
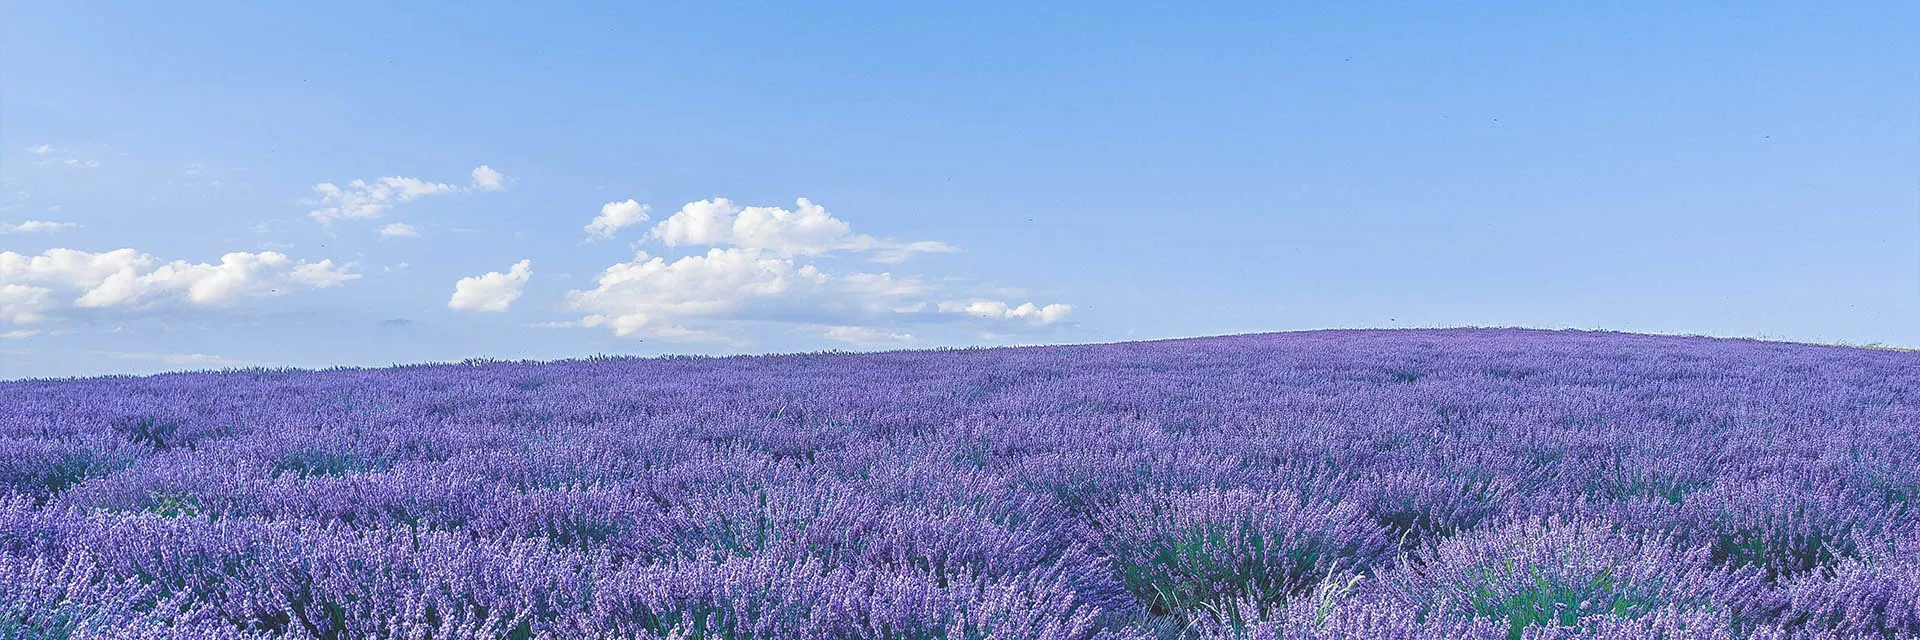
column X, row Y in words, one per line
column 897, row 252
column 32, row 286
column 754, row 273
column 398, row 230
column 68, row 268
column 994, row 309
column 320, row 275
column 615, row 216
column 176, row 359
column 486, row 179
column 49, row 155
column 494, row 291
column 866, row 336
column 366, row 200
column 806, row 230
column 23, row 304
column 37, row 226
column 18, row 334
column 656, row 298
column 712, row 297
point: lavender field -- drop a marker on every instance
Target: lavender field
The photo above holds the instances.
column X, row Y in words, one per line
column 1339, row 484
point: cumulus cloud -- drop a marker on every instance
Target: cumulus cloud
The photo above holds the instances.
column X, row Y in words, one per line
column 615, row 216
column 23, row 304
column 656, row 298
column 36, row 226
column 486, row 179
column 712, row 297
column 40, row 150
column 236, row 275
column 398, row 230
column 756, row 271
column 369, row 199
column 806, row 230
column 994, row 309
column 493, row 291
column 32, row 286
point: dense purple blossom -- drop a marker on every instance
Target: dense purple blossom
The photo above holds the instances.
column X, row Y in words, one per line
column 1328, row 485
column 1555, row 572
column 1182, row 552
column 1874, row 594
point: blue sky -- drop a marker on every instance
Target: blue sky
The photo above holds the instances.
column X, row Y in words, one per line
column 971, row 175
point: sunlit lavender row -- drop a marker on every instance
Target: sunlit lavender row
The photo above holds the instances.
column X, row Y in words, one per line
column 1345, row 484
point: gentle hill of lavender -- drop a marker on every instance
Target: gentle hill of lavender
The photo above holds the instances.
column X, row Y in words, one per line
column 1339, row 484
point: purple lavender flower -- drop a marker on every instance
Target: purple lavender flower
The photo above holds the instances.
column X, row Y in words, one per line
column 1347, row 484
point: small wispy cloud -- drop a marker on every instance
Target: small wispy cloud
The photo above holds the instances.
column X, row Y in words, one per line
column 174, row 359
column 487, row 179
column 615, row 216
column 398, row 230
column 369, row 199
column 196, row 174
column 866, row 336
column 51, row 155
column 37, row 226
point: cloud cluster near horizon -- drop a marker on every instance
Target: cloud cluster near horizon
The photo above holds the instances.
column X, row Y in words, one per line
column 34, row 287
column 758, row 269
column 36, row 226
column 713, row 271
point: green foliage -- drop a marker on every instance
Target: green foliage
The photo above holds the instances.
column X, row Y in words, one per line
column 1781, row 554
column 173, row 505
column 1553, row 603
column 319, row 462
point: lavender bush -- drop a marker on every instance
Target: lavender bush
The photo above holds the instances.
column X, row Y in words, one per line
column 1343, row 484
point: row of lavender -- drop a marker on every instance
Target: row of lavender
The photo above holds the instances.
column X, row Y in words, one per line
column 1405, row 484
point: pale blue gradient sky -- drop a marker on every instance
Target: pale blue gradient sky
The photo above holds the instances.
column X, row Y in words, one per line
column 1751, row 169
